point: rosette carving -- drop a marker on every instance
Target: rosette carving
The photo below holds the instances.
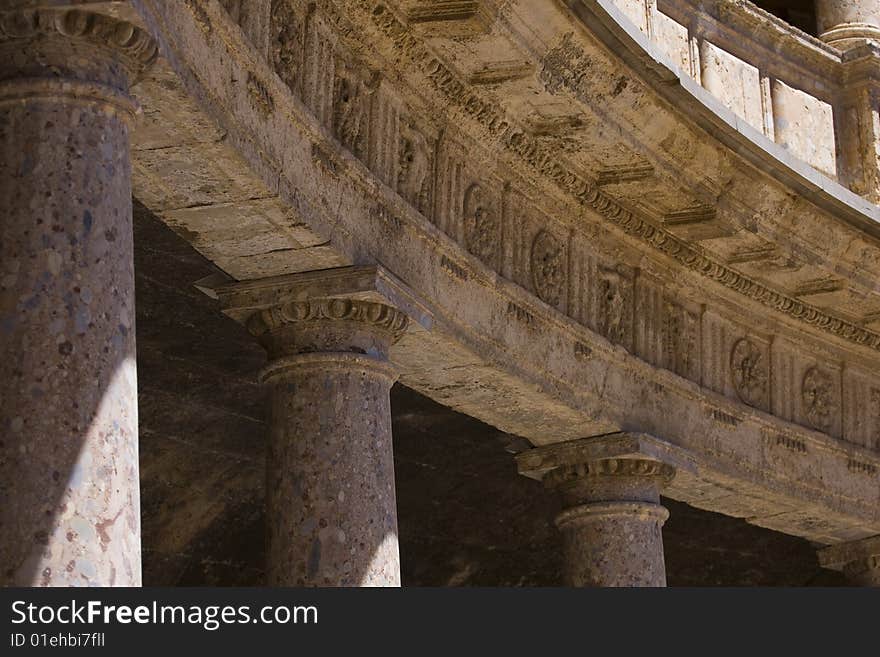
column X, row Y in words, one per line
column 548, row 267
column 819, row 399
column 481, row 225
column 749, row 371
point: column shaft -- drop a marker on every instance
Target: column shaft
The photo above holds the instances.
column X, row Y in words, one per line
column 613, row 544
column 840, row 22
column 69, row 488
column 612, row 518
column 331, row 504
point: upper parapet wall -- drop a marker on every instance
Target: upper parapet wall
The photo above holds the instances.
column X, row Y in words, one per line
column 814, row 100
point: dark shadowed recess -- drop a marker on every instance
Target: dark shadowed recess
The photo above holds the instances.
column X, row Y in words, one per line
column 800, row 13
column 466, row 517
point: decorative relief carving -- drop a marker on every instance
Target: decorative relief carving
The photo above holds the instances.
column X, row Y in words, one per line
column 548, row 267
column 481, row 225
column 874, row 437
column 614, row 312
column 413, row 167
column 136, row 46
column 567, row 66
column 335, row 309
column 749, row 371
column 260, row 97
column 286, row 46
column 819, row 399
column 629, row 467
column 351, row 111
column 859, row 467
column 521, row 314
column 680, row 340
column 582, row 351
column 791, row 444
column 615, row 305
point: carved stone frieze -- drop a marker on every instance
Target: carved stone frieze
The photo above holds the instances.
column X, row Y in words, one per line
column 681, row 339
column 567, row 66
column 351, row 109
column 548, row 267
column 286, row 43
column 820, row 405
column 749, row 370
column 414, row 168
column 615, row 305
column 481, row 225
column 625, row 467
column 378, row 315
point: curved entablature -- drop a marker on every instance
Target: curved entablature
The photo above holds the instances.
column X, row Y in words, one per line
column 593, row 259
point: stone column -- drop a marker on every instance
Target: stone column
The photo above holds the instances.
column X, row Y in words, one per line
column 331, row 506
column 611, row 524
column 843, row 23
column 69, row 488
column 858, row 560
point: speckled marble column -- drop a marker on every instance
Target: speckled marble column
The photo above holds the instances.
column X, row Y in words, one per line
column 843, row 23
column 331, row 506
column 858, row 560
column 612, row 518
column 611, row 528
column 69, row 499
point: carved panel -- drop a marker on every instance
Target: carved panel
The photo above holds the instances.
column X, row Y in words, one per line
column 448, row 190
column 548, row 266
column 750, row 373
column 681, row 340
column 286, row 43
column 351, row 110
column 481, row 225
column 507, row 237
column 861, row 407
column 819, row 401
column 616, row 305
column 414, row 168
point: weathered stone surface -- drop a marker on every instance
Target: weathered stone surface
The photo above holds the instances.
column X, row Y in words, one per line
column 844, row 22
column 465, row 517
column 712, row 240
column 69, row 487
column 619, row 219
column 332, row 513
column 859, row 561
column 612, row 520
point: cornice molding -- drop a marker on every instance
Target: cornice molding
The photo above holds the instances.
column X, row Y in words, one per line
column 543, row 159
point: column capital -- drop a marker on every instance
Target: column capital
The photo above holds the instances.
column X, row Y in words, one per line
column 858, row 560
column 624, row 454
column 612, row 518
column 93, row 57
column 134, row 44
column 328, row 334
column 355, row 310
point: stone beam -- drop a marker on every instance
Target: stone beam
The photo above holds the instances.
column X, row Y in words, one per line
column 858, row 560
